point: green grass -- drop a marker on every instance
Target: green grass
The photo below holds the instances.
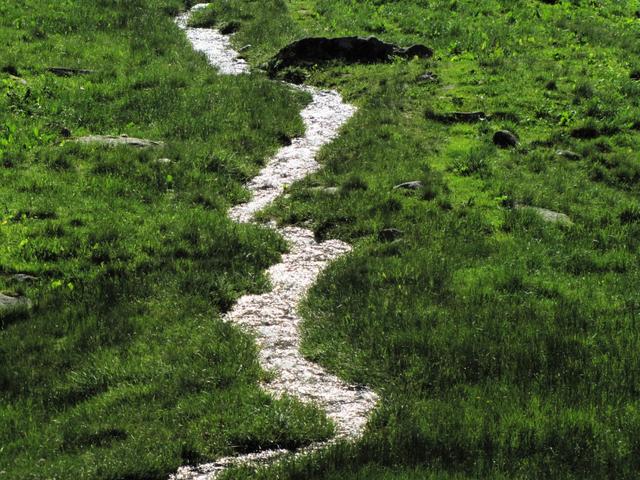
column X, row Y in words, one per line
column 124, row 368
column 503, row 346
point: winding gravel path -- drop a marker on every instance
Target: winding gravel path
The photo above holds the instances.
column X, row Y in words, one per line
column 272, row 317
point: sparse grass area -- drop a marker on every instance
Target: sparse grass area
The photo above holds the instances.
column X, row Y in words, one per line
column 503, row 346
column 123, row 368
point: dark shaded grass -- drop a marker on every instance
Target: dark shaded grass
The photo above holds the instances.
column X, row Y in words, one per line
column 123, row 368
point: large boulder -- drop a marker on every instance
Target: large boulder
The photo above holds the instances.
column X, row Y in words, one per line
column 315, row 50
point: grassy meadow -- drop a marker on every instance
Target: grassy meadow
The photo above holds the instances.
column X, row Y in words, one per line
column 504, row 346
column 123, row 368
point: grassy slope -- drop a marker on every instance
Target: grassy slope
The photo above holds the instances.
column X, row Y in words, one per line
column 123, row 369
column 502, row 345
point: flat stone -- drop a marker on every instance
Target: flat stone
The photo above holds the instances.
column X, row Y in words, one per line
column 18, row 79
column 548, row 215
column 415, row 185
column 24, row 278
column 68, row 72
column 113, row 141
column 569, row 155
column 11, row 303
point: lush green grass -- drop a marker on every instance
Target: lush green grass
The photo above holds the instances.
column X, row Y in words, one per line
column 123, row 369
column 502, row 345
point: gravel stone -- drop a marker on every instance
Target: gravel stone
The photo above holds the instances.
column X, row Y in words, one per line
column 272, row 317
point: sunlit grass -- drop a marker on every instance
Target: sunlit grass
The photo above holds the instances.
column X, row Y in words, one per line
column 504, row 346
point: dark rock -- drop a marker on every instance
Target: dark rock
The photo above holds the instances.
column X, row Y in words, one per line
column 420, row 51
column 296, row 76
column 506, row 115
column 390, row 234
column 68, row 72
column 505, row 139
column 113, row 141
column 635, row 75
column 284, row 139
column 456, row 117
column 311, row 51
column 415, row 185
column 569, row 155
column 230, row 28
column 65, row 132
column 585, row 133
column 11, row 70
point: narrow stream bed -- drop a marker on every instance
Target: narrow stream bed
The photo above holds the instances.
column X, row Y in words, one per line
column 272, row 317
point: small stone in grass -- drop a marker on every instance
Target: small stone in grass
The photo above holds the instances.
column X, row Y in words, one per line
column 548, row 215
column 414, row 185
column 24, row 278
column 505, row 139
column 11, row 303
column 568, row 154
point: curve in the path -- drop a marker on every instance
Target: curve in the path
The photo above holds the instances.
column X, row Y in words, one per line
column 272, row 317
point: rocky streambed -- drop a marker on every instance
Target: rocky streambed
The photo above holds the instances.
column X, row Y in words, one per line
column 272, row 317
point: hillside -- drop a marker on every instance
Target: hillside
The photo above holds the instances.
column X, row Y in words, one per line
column 490, row 298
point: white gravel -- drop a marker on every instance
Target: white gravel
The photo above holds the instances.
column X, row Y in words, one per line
column 272, row 317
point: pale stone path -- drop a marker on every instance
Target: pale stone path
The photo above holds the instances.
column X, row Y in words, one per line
column 272, row 317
